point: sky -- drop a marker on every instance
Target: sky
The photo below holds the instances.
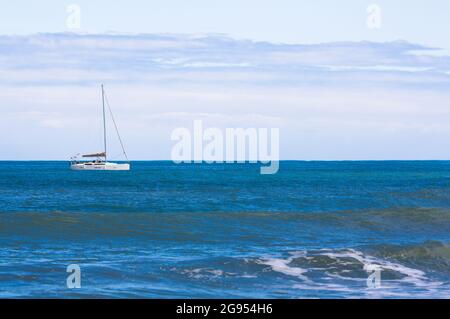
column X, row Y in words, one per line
column 336, row 87
column 287, row 21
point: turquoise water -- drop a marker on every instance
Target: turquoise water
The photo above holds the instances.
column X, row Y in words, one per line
column 164, row 230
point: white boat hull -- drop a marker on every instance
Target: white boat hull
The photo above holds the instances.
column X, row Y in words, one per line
column 100, row 166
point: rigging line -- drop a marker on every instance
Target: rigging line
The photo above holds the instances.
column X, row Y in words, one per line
column 115, row 125
column 116, row 156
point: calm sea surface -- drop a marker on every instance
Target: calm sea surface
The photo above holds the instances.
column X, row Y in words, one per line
column 161, row 230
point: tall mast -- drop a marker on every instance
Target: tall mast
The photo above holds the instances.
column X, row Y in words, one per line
column 104, row 121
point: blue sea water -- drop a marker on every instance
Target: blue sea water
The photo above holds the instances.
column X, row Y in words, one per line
column 164, row 230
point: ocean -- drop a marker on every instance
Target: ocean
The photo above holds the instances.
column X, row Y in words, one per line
column 163, row 230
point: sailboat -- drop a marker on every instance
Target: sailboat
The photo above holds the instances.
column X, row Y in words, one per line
column 101, row 159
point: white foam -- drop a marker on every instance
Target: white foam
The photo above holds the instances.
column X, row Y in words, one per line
column 370, row 263
column 389, row 288
column 199, row 273
column 282, row 265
